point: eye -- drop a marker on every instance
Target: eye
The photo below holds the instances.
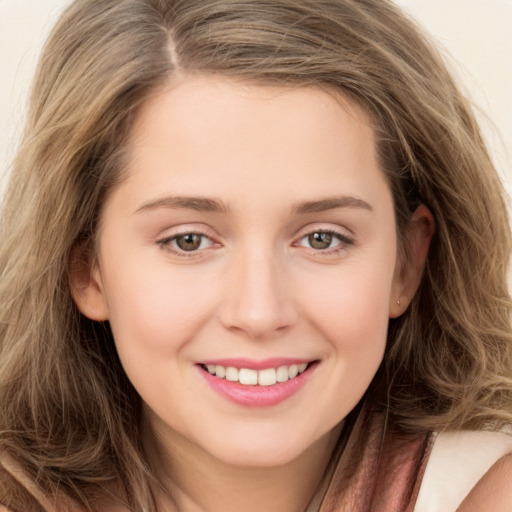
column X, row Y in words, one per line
column 320, row 240
column 323, row 240
column 186, row 242
column 190, row 242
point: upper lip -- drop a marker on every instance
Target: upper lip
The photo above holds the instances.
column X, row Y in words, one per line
column 252, row 364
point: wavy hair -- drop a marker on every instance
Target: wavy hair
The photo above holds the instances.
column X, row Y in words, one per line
column 69, row 415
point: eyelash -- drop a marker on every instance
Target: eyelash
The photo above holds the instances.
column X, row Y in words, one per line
column 344, row 241
column 166, row 243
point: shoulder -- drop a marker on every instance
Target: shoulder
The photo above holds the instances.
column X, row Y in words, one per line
column 463, row 466
column 494, row 490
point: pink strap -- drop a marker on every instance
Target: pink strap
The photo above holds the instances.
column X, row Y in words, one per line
column 379, row 468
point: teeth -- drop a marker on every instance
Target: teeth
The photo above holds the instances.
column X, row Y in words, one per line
column 282, row 374
column 266, row 377
column 248, row 377
column 293, row 371
column 231, row 374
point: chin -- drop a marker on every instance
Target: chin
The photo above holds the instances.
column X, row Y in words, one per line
column 263, row 449
column 269, row 457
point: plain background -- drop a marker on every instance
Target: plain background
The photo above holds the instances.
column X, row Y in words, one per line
column 477, row 34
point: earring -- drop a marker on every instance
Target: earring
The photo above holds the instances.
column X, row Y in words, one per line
column 398, row 302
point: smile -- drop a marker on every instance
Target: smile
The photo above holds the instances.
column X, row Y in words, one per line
column 257, row 384
column 250, row 377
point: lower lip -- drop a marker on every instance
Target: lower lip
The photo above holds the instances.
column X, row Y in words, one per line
column 258, row 396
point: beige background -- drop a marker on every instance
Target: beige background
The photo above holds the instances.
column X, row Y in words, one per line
column 477, row 33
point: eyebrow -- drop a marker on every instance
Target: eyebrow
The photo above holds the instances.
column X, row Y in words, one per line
column 330, row 203
column 211, row 205
column 199, row 204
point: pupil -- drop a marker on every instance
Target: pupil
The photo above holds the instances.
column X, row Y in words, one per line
column 189, row 242
column 320, row 240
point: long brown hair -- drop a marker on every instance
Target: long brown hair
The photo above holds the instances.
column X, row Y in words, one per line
column 69, row 415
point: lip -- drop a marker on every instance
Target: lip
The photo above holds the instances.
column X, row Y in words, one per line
column 257, row 396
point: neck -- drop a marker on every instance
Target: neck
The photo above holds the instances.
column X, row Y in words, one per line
column 197, row 482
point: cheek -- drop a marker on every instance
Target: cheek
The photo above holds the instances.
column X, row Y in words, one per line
column 153, row 319
column 355, row 327
column 351, row 308
column 351, row 311
column 155, row 312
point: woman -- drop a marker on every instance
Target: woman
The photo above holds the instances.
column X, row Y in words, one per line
column 253, row 257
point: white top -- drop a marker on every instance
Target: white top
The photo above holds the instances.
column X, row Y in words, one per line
column 457, row 462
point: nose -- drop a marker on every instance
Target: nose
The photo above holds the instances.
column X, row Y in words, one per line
column 258, row 302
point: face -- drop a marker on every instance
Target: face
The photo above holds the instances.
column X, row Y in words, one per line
column 248, row 266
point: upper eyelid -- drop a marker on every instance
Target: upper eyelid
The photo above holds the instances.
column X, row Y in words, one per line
column 320, row 227
column 185, row 229
column 344, row 239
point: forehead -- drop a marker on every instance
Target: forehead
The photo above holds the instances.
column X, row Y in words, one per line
column 211, row 135
column 193, row 101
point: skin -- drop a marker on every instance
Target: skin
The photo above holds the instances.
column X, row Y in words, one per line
column 256, row 287
column 493, row 492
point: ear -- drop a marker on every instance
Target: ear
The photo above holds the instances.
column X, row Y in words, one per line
column 86, row 284
column 408, row 273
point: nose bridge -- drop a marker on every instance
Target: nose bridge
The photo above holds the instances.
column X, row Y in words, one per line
column 257, row 300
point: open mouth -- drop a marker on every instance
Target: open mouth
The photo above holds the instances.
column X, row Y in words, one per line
column 263, row 377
